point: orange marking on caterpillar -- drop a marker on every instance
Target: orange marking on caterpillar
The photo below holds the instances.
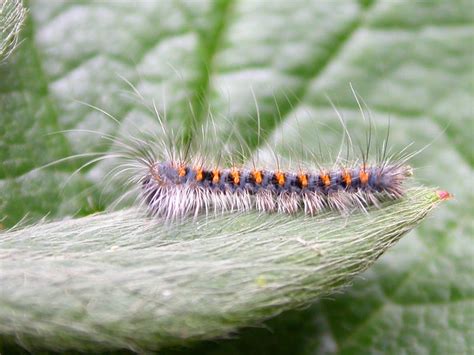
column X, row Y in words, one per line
column 257, row 175
column 199, row 175
column 363, row 176
column 326, row 179
column 181, row 171
column 280, row 178
column 347, row 178
column 235, row 176
column 303, row 179
column 215, row 176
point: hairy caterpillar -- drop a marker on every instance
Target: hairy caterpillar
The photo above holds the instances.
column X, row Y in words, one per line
column 177, row 179
column 173, row 189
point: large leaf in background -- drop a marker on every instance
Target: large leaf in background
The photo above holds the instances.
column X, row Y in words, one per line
column 410, row 61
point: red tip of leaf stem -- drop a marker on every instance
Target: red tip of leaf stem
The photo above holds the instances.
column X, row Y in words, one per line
column 444, row 195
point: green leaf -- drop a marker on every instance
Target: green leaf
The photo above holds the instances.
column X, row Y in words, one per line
column 121, row 280
column 410, row 61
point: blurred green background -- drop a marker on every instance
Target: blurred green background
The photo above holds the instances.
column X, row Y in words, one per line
column 411, row 61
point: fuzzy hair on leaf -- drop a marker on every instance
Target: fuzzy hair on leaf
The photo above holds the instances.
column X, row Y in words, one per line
column 124, row 280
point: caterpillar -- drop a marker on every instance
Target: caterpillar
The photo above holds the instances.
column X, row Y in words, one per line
column 178, row 180
column 176, row 183
column 173, row 189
